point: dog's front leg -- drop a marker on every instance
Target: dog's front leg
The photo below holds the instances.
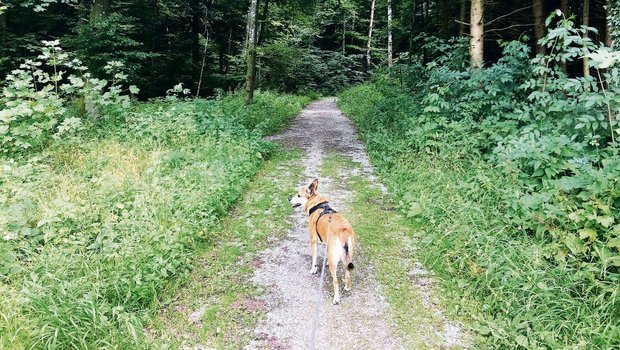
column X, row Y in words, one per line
column 313, row 251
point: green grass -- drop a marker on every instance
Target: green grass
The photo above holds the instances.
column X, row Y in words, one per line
column 500, row 280
column 93, row 229
column 389, row 243
column 220, row 282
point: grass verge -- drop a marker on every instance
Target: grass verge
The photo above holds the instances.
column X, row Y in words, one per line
column 388, row 241
column 500, row 278
column 217, row 306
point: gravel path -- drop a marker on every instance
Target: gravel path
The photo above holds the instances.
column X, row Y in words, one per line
column 361, row 320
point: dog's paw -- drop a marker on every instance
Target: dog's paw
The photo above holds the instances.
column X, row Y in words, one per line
column 313, row 270
column 347, row 288
column 336, row 301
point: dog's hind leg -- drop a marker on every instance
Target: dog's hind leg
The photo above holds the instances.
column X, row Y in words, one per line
column 347, row 262
column 347, row 278
column 334, row 259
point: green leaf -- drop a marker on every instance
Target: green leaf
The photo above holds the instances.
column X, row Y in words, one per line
column 588, row 233
column 575, row 245
column 606, row 221
column 614, row 243
column 522, row 341
column 414, row 209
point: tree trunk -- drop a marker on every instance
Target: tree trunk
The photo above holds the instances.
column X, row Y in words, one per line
column 195, row 36
column 446, row 14
column 425, row 6
column 344, row 36
column 476, row 32
column 99, row 8
column 263, row 20
column 389, row 48
column 462, row 18
column 229, row 49
column 414, row 10
column 204, row 53
column 369, row 44
column 564, row 7
column 608, row 41
column 586, row 22
column 221, row 59
column 251, row 50
column 539, row 26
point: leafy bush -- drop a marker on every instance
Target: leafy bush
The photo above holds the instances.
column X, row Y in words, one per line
column 37, row 98
column 286, row 67
column 109, row 38
column 510, row 173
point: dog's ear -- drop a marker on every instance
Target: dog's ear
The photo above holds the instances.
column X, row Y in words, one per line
column 313, row 186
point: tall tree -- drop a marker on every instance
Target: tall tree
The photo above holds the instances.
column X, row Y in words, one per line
column 539, row 26
column 251, row 50
column 586, row 22
column 564, row 7
column 446, row 13
column 263, row 22
column 196, row 18
column 608, row 40
column 344, row 35
column 389, row 18
column 462, row 18
column 414, row 10
column 476, row 32
column 369, row 44
column 205, row 34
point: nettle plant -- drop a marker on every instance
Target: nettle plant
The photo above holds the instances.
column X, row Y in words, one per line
column 36, row 98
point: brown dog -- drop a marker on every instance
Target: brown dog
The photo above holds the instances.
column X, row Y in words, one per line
column 327, row 225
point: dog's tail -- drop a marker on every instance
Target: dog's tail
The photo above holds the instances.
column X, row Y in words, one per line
column 348, row 252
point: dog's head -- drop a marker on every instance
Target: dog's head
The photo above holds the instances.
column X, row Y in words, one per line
column 304, row 195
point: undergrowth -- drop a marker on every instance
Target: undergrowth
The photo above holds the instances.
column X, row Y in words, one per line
column 510, row 176
column 220, row 287
column 97, row 224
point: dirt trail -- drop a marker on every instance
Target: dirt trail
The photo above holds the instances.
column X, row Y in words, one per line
column 361, row 321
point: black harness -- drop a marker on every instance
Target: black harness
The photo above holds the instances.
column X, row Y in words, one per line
column 326, row 210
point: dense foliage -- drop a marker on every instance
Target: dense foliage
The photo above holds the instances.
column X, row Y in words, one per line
column 511, row 175
column 192, row 42
column 94, row 226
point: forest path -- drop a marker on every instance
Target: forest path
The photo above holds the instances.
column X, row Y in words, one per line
column 364, row 319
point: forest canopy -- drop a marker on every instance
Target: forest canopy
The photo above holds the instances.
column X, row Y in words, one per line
column 320, row 46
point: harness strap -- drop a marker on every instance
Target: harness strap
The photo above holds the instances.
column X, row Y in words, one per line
column 321, row 205
column 326, row 209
